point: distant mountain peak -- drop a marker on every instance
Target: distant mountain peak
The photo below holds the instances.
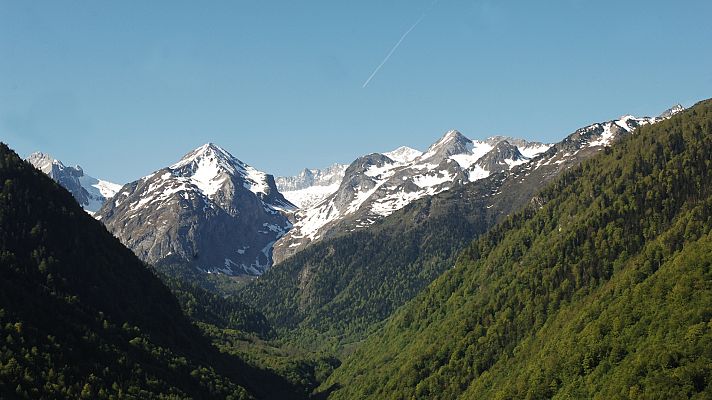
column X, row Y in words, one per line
column 209, row 209
column 89, row 192
column 311, row 186
column 39, row 156
column 672, row 111
column 503, row 156
column 209, row 151
column 46, row 163
column 403, row 154
column 451, row 143
column 451, row 136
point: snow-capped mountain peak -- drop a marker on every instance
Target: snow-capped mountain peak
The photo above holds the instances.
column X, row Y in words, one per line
column 209, row 209
column 210, row 166
column 453, row 142
column 403, row 154
column 208, row 151
column 452, row 135
column 503, row 155
column 376, row 185
column 89, row 192
column 672, row 111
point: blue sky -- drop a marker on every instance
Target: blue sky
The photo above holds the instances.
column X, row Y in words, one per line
column 126, row 87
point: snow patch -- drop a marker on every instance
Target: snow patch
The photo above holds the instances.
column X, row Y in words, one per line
column 477, row 173
column 304, row 198
column 533, row 150
column 605, row 138
column 426, row 181
column 478, row 150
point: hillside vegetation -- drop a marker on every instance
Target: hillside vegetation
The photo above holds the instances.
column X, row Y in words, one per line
column 336, row 290
column 333, row 293
column 82, row 317
column 603, row 290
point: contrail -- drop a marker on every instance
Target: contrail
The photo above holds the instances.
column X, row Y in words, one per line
column 395, row 46
column 393, row 49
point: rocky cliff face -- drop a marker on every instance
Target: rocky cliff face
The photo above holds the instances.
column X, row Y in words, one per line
column 209, row 210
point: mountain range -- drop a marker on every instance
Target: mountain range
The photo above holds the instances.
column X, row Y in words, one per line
column 376, row 185
column 344, row 285
column 214, row 212
column 311, row 186
column 578, row 269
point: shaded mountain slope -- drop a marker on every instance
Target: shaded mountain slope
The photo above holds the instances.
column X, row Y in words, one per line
column 82, row 317
column 601, row 289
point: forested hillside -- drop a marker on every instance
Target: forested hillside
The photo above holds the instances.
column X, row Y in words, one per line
column 208, row 307
column 602, row 289
column 337, row 289
column 334, row 292
column 82, row 317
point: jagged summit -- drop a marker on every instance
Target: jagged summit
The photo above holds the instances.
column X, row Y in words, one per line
column 672, row 111
column 403, row 154
column 311, row 186
column 206, row 151
column 452, row 134
column 209, row 210
column 44, row 162
column 367, row 162
column 503, row 156
column 450, row 137
column 453, row 142
column 89, row 192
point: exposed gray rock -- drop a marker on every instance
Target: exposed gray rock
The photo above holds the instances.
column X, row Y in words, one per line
column 671, row 111
column 90, row 193
column 503, row 156
column 209, row 210
column 376, row 185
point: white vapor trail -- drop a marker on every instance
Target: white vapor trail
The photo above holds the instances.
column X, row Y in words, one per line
column 393, row 49
column 398, row 43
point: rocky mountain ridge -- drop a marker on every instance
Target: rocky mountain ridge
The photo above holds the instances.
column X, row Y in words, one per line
column 90, row 192
column 211, row 211
column 376, row 185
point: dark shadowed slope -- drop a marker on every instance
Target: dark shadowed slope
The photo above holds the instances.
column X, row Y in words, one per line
column 81, row 316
